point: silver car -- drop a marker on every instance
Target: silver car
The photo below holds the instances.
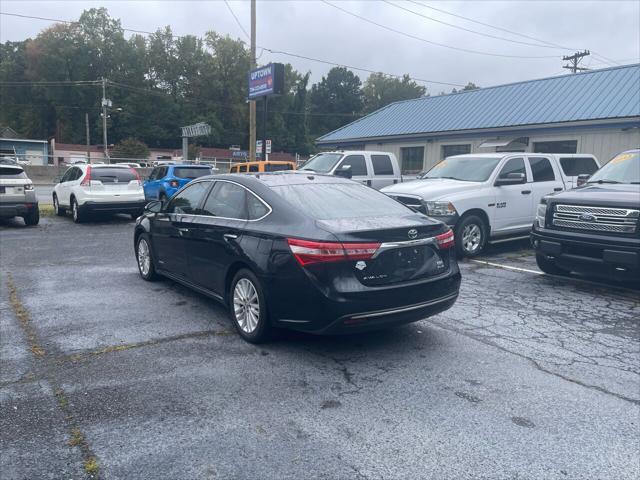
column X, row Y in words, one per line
column 17, row 195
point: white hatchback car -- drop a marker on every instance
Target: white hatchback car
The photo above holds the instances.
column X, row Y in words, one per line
column 86, row 189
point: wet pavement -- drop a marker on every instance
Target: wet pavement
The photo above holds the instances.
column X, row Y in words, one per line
column 103, row 375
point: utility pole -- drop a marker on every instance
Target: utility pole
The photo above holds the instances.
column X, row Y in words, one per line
column 252, row 103
column 575, row 60
column 105, row 103
column 86, row 124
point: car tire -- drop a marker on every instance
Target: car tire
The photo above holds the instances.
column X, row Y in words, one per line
column 471, row 236
column 78, row 216
column 33, row 217
column 59, row 211
column 248, row 308
column 144, row 258
column 549, row 266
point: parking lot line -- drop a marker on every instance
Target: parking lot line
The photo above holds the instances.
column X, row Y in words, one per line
column 507, row 267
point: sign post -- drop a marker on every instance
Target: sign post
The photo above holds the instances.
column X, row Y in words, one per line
column 264, row 82
column 196, row 130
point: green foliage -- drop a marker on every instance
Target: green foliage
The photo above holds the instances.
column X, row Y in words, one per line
column 166, row 82
column 380, row 90
column 130, row 148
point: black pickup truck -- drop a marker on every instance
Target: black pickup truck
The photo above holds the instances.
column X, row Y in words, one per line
column 593, row 229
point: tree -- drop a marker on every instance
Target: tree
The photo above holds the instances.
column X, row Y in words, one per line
column 380, row 90
column 130, row 148
column 335, row 101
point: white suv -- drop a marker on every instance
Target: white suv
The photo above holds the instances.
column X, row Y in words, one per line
column 86, row 189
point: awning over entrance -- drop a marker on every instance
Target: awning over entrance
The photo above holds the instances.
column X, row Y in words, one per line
column 506, row 144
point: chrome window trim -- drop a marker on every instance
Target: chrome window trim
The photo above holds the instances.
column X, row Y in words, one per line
column 214, row 181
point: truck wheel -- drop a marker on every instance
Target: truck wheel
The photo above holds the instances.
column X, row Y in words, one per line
column 33, row 217
column 549, row 266
column 471, row 236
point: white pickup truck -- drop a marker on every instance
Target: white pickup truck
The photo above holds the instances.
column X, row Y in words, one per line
column 374, row 169
column 490, row 197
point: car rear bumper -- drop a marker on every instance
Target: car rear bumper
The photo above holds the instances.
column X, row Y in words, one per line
column 16, row 209
column 607, row 257
column 113, row 207
column 316, row 311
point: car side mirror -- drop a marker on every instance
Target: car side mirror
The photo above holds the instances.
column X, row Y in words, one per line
column 344, row 171
column 511, row 179
column 582, row 179
column 155, row 206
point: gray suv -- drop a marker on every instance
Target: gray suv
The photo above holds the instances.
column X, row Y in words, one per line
column 17, row 195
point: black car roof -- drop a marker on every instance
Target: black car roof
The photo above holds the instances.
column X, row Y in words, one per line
column 273, row 179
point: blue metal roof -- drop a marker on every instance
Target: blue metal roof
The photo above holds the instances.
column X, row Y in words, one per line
column 599, row 94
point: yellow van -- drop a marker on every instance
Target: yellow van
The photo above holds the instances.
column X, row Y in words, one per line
column 262, row 166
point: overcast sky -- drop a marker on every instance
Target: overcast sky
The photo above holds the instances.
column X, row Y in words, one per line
column 313, row 28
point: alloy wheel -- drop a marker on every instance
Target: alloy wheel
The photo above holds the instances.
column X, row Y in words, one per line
column 246, row 305
column 471, row 238
column 144, row 259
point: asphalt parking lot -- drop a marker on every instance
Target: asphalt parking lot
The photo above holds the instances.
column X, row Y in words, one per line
column 103, row 375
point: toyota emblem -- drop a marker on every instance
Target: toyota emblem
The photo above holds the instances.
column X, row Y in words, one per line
column 413, row 233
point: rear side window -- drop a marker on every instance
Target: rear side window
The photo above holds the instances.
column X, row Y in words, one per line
column 277, row 167
column 253, row 168
column 358, row 164
column 382, row 165
column 226, row 200
column 186, row 172
column 574, row 166
column 7, row 172
column 113, row 175
column 187, row 200
column 330, row 201
column 541, row 169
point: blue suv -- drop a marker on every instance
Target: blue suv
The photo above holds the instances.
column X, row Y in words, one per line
column 165, row 180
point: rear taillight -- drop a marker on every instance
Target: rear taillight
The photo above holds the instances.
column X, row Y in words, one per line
column 445, row 240
column 135, row 172
column 174, row 183
column 86, row 181
column 308, row 251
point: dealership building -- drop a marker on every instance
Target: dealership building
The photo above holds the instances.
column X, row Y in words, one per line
column 595, row 112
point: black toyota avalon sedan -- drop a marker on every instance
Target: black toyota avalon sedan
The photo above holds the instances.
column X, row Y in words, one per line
column 316, row 253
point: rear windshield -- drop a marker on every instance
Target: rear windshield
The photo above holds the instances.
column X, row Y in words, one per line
column 275, row 167
column 113, row 175
column 12, row 172
column 331, row 201
column 574, row 166
column 190, row 172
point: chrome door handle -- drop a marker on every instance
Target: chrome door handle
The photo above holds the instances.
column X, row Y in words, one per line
column 183, row 230
column 230, row 236
column 526, row 192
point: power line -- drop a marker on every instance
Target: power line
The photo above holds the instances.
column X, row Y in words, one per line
column 608, row 60
column 281, row 52
column 468, row 29
column 237, row 20
column 415, row 37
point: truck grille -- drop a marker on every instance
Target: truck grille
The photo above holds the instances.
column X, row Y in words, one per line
column 414, row 203
column 601, row 219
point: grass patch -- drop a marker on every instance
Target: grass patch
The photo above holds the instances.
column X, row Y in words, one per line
column 76, row 437
column 46, row 210
column 91, row 465
column 23, row 317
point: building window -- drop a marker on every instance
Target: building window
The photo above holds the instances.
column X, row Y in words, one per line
column 561, row 146
column 412, row 159
column 451, row 150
